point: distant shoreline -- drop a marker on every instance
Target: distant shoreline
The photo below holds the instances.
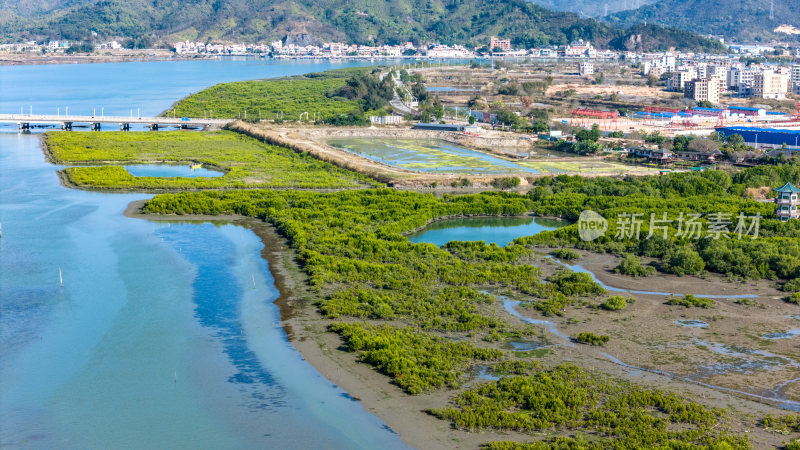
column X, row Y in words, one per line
column 32, row 59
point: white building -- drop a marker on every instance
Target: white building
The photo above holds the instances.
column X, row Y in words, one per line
column 585, row 68
column 796, row 78
column 769, row 84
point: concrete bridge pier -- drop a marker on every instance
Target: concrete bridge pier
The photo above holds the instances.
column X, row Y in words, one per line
column 24, row 126
column 124, row 126
column 94, row 126
column 66, row 126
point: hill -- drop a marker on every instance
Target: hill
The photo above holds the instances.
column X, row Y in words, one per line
column 309, row 21
column 739, row 20
column 590, row 8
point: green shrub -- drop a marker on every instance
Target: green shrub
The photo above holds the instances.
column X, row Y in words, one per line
column 683, row 260
column 572, row 283
column 505, row 182
column 690, row 301
column 565, row 254
column 591, row 338
column 631, row 265
column 786, row 423
column 615, row 303
column 794, row 298
column 792, row 285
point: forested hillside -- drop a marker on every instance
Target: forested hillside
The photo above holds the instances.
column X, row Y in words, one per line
column 743, row 20
column 591, row 8
column 306, row 21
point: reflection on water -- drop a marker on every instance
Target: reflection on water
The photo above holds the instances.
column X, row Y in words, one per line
column 170, row 170
column 491, row 230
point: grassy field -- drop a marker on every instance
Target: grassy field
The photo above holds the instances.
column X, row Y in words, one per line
column 267, row 99
column 247, row 162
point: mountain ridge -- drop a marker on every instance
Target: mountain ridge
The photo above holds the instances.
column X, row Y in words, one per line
column 740, row 20
column 353, row 21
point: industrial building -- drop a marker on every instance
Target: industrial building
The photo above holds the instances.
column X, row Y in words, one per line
column 764, row 137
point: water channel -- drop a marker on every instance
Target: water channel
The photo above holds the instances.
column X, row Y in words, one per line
column 163, row 335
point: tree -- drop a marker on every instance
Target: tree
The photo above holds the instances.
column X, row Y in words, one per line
column 652, row 80
column 471, row 120
column 585, row 135
column 683, row 260
column 735, row 140
column 599, row 78
column 703, row 145
column 540, row 126
column 705, row 104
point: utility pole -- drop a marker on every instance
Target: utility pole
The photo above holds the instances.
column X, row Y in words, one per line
column 771, row 9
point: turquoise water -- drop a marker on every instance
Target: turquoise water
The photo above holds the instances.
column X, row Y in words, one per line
column 168, row 170
column 428, row 155
column 491, row 230
column 158, row 338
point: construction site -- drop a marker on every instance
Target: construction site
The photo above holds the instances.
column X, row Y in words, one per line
column 672, row 121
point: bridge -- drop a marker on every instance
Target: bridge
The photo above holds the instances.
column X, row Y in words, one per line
column 26, row 121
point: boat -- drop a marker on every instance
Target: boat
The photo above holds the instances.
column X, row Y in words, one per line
column 195, row 166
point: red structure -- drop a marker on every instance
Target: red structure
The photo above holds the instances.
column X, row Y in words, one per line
column 652, row 109
column 581, row 117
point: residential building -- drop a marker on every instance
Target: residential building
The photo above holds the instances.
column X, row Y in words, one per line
column 386, row 120
column 769, row 84
column 796, row 79
column 580, row 48
column 502, row 44
column 677, row 82
column 786, row 202
column 585, row 68
column 703, row 90
column 740, row 79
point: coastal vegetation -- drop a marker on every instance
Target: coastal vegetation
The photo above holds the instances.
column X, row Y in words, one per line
column 690, row 301
column 425, row 316
column 565, row 254
column 566, row 398
column 247, row 162
column 591, row 339
column 616, row 303
column 669, row 201
column 632, row 265
column 281, row 98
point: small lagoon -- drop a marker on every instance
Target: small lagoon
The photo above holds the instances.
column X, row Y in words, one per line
column 491, row 230
column 170, row 170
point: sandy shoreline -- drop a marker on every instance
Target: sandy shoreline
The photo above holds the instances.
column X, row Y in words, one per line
column 405, row 414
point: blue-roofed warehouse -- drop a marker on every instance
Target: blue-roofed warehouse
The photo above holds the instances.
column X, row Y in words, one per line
column 764, row 137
